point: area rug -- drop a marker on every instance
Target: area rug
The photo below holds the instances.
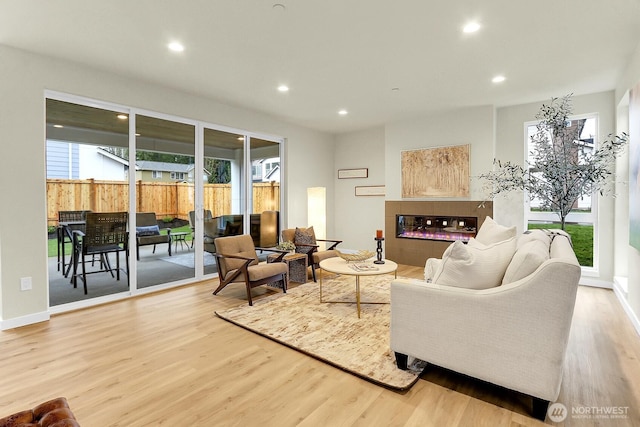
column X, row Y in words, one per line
column 188, row 260
column 332, row 332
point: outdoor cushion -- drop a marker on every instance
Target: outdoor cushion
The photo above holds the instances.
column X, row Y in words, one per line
column 151, row 230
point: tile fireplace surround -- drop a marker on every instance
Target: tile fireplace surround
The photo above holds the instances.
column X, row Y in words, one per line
column 410, row 251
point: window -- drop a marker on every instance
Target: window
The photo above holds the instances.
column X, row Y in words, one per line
column 581, row 221
column 178, row 176
column 156, row 174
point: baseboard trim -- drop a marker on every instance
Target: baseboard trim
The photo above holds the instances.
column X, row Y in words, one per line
column 619, row 291
column 595, row 282
column 30, row 319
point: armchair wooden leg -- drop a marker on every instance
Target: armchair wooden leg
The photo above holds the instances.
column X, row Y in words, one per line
column 313, row 272
column 401, row 360
column 249, row 293
column 220, row 287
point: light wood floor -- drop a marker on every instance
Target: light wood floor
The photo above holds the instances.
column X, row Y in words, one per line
column 166, row 359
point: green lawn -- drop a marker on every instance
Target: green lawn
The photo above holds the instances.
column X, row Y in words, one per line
column 52, row 249
column 582, row 238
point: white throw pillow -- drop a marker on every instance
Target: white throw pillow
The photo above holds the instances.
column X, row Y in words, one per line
column 430, row 268
column 526, row 260
column 474, row 265
column 491, row 232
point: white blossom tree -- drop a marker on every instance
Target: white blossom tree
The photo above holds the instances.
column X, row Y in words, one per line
column 562, row 168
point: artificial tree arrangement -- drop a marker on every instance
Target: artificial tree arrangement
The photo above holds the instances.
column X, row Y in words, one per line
column 563, row 168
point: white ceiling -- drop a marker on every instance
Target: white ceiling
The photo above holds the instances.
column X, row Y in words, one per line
column 336, row 54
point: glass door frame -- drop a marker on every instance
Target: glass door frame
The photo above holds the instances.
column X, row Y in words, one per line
column 199, row 126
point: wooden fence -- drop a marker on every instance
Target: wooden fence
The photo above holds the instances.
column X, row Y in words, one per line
column 166, row 199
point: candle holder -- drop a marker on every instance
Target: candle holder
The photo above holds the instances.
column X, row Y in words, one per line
column 379, row 251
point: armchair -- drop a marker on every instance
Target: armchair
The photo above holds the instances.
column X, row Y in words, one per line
column 148, row 232
column 306, row 243
column 237, row 262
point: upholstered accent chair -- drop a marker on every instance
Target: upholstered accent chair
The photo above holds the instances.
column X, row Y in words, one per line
column 306, row 243
column 148, row 232
column 237, row 262
column 52, row 413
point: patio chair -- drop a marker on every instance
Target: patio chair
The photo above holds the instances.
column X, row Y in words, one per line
column 237, row 262
column 104, row 233
column 206, row 216
column 306, row 243
column 67, row 222
column 148, row 232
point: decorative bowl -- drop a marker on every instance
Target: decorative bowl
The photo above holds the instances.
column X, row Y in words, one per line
column 361, row 255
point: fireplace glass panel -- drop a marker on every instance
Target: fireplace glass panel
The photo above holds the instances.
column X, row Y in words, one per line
column 433, row 227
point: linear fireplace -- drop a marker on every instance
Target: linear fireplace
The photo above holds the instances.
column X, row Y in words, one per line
column 428, row 227
column 412, row 240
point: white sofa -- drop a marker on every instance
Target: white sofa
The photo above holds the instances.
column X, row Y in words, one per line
column 514, row 335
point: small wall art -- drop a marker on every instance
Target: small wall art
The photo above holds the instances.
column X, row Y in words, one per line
column 353, row 173
column 370, row 190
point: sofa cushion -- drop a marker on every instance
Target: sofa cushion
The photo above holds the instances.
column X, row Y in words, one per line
column 475, row 265
column 491, row 232
column 526, row 260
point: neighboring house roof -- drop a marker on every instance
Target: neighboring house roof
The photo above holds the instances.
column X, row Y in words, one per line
column 272, row 172
column 105, row 153
column 163, row 166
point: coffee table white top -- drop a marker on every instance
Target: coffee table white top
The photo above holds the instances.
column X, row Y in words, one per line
column 340, row 266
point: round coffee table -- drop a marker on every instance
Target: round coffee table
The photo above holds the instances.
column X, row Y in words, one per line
column 338, row 265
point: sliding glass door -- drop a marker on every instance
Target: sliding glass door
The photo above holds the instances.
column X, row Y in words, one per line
column 87, row 173
column 164, row 188
column 180, row 183
column 266, row 170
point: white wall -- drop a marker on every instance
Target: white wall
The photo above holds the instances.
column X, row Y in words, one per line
column 358, row 217
column 25, row 77
column 473, row 126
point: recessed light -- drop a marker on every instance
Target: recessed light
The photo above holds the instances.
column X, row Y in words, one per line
column 241, row 138
column 58, row 126
column 283, row 88
column 122, row 116
column 175, row 47
column 343, row 112
column 471, row 27
column 498, row 79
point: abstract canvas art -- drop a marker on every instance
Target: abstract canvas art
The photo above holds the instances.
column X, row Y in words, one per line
column 634, row 167
column 436, row 172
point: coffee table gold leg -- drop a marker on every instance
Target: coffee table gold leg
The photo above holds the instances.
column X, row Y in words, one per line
column 320, row 285
column 358, row 294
